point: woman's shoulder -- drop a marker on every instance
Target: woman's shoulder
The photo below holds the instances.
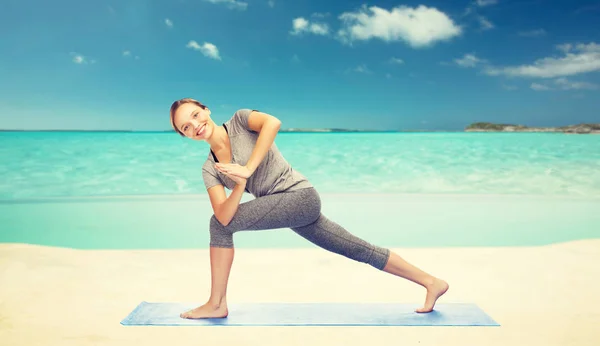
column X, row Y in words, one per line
column 238, row 122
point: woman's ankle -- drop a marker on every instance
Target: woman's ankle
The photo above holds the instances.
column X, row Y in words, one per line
column 217, row 302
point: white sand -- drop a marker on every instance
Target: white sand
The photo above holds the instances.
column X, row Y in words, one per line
column 55, row 296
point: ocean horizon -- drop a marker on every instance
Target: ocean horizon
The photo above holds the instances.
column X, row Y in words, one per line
column 472, row 127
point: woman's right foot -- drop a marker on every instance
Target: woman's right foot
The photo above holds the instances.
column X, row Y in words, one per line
column 434, row 290
column 207, row 310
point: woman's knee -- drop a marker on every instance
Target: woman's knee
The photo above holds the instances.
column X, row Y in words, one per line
column 312, row 206
column 220, row 236
column 214, row 222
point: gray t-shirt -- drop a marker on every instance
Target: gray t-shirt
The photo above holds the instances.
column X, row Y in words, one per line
column 274, row 174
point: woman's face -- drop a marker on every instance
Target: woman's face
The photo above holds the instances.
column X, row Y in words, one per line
column 193, row 121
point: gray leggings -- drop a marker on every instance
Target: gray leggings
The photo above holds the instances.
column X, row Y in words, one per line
column 299, row 210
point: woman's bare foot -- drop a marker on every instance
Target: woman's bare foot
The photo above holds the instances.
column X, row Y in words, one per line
column 434, row 291
column 207, row 310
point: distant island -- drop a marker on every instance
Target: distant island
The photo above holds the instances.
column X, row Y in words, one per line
column 491, row 127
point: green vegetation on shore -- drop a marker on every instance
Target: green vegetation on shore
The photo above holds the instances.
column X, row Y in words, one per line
column 491, row 127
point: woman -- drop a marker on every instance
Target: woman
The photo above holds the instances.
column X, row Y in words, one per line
column 244, row 158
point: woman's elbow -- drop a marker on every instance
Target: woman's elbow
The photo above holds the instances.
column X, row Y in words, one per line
column 276, row 123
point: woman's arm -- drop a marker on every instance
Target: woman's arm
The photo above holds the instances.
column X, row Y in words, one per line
column 225, row 207
column 267, row 127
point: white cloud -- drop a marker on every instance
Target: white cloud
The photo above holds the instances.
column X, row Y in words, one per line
column 468, row 11
column 168, row 23
column 127, row 53
column 483, row 3
column 419, row 27
column 565, row 48
column 578, row 59
column 539, row 87
column 271, row 3
column 362, row 69
column 208, row 49
column 81, row 59
column 232, row 4
column 485, row 23
column 563, row 84
column 469, row 60
column 396, row 61
column 319, row 29
column 301, row 25
column 589, row 48
column 193, row 44
column 533, row 33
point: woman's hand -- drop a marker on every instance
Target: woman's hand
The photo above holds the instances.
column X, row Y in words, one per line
column 236, row 179
column 233, row 169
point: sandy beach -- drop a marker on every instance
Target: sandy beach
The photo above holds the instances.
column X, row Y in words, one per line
column 542, row 295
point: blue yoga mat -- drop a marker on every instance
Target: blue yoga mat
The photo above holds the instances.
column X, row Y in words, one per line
column 313, row 314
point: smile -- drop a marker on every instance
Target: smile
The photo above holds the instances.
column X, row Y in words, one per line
column 200, row 131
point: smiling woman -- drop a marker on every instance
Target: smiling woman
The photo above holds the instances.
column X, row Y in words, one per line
column 244, row 158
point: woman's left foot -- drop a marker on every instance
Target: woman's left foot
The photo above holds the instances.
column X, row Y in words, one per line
column 434, row 291
column 206, row 311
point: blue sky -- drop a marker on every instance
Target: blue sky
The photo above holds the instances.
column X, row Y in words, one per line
column 382, row 65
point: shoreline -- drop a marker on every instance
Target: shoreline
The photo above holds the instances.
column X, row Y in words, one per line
column 415, row 221
column 245, row 197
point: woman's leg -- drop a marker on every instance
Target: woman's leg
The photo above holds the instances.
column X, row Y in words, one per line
column 282, row 210
column 329, row 235
column 436, row 287
column 221, row 260
column 301, row 211
column 333, row 237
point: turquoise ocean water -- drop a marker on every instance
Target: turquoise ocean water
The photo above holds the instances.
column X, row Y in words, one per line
column 119, row 190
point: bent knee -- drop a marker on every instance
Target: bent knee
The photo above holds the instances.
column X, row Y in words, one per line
column 214, row 222
column 219, row 235
column 312, row 208
column 315, row 211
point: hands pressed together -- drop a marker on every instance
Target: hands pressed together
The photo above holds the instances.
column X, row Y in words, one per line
column 236, row 172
